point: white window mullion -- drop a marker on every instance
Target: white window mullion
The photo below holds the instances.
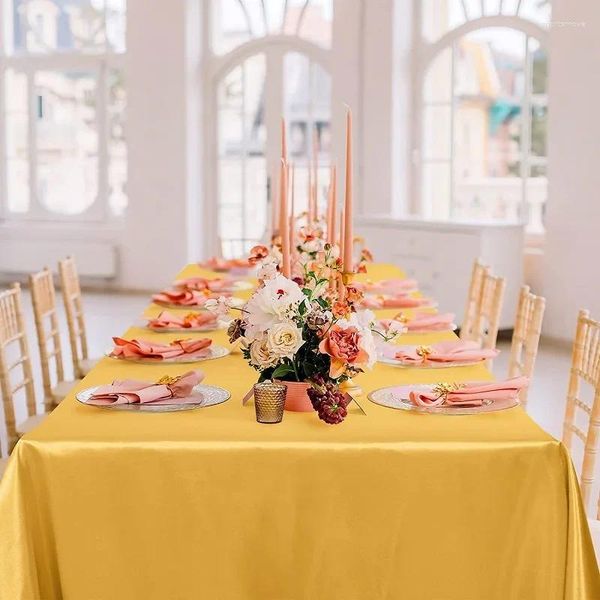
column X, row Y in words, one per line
column 3, row 146
column 100, row 206
column 525, row 134
column 452, row 211
column 244, row 158
column 36, row 210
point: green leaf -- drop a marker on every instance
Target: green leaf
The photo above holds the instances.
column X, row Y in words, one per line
column 282, row 371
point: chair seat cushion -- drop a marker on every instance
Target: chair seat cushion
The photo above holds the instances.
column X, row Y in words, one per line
column 30, row 423
column 62, row 389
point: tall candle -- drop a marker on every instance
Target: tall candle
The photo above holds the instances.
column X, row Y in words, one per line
column 316, row 177
column 292, row 228
column 342, row 237
column 309, row 205
column 283, row 140
column 274, row 203
column 283, row 221
column 331, row 232
column 348, row 231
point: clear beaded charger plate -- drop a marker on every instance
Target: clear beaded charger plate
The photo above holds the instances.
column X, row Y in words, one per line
column 398, row 397
column 208, row 395
column 235, row 303
column 214, row 352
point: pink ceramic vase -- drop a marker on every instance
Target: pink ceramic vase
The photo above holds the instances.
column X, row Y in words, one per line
column 296, row 397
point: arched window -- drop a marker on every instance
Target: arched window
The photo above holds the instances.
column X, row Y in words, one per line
column 482, row 132
column 62, row 104
column 268, row 58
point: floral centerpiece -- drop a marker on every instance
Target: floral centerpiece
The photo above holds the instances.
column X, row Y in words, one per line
column 306, row 330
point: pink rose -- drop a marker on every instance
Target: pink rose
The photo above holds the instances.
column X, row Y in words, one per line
column 343, row 346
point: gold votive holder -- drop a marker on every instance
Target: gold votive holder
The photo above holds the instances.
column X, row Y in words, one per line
column 269, row 400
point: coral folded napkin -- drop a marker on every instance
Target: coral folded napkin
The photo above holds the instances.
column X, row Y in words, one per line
column 470, row 394
column 176, row 390
column 221, row 264
column 165, row 320
column 144, row 349
column 453, row 351
column 389, row 286
column 201, row 284
column 182, row 297
column 402, row 301
column 423, row 322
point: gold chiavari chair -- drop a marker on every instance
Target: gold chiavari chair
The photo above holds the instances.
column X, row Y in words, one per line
column 473, row 300
column 71, row 291
column 585, row 366
column 526, row 336
column 13, row 344
column 43, row 298
column 486, row 322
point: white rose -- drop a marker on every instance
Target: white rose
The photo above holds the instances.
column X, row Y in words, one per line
column 284, row 339
column 261, row 355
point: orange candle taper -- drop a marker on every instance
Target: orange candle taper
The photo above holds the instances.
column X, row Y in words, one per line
column 274, row 203
column 348, row 232
column 292, row 216
column 309, row 204
column 316, row 177
column 342, row 236
column 331, row 232
column 283, row 140
column 283, row 221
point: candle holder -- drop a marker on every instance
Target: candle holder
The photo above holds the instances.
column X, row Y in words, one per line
column 269, row 401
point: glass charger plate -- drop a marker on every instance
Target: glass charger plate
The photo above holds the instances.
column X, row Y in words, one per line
column 236, row 303
column 208, row 395
column 397, row 397
column 428, row 365
column 215, row 352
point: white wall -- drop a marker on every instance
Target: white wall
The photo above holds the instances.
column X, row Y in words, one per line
column 572, row 252
column 162, row 224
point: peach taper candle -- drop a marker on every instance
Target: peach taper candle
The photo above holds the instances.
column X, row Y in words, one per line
column 283, row 220
column 348, row 231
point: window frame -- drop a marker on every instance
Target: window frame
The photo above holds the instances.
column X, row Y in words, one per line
column 426, row 54
column 100, row 64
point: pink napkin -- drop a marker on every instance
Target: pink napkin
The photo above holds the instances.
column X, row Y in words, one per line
column 201, row 283
column 221, row 264
column 426, row 322
column 472, row 394
column 402, row 301
column 453, row 351
column 144, row 349
column 389, row 286
column 166, row 319
column 182, row 297
column 129, row 391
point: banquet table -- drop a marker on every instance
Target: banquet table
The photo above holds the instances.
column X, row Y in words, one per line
column 97, row 504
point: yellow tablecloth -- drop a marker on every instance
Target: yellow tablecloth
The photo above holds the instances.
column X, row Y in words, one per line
column 210, row 504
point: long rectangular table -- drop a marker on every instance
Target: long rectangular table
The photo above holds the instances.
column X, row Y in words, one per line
column 210, row 504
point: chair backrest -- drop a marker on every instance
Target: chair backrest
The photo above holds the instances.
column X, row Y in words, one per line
column 526, row 336
column 486, row 312
column 13, row 336
column 43, row 299
column 585, row 366
column 473, row 300
column 71, row 291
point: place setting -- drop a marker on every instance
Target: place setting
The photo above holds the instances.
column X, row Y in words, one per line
column 193, row 299
column 419, row 323
column 166, row 394
column 192, row 322
column 179, row 351
column 452, row 398
column 439, row 355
